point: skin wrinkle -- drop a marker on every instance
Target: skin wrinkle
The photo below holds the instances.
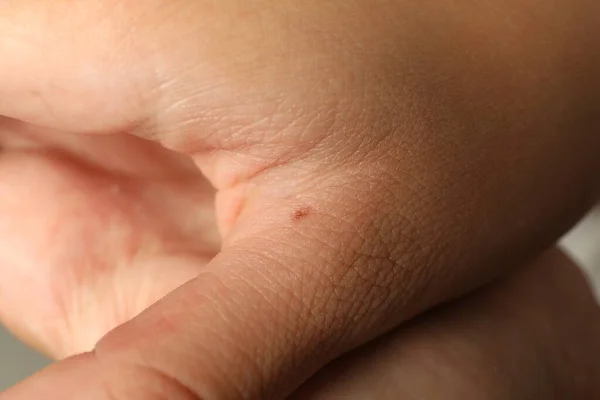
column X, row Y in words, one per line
column 418, row 62
column 300, row 300
column 177, row 389
column 300, row 321
column 351, row 270
column 334, row 280
column 110, row 347
column 440, row 355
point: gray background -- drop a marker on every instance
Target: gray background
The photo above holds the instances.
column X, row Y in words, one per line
column 17, row 361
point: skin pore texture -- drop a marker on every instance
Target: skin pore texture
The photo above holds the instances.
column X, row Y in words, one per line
column 532, row 335
column 214, row 200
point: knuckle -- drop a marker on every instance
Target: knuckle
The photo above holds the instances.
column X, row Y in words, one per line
column 128, row 381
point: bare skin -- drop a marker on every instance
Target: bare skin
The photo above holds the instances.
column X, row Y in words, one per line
column 532, row 335
column 370, row 161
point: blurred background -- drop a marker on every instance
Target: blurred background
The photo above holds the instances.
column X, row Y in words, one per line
column 583, row 243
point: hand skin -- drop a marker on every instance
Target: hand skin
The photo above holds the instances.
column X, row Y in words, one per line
column 531, row 335
column 372, row 159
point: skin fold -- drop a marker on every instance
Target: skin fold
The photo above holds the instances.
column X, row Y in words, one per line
column 531, row 335
column 214, row 200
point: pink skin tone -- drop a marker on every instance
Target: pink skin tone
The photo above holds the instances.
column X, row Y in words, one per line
column 218, row 199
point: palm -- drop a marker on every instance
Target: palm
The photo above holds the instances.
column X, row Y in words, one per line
column 93, row 230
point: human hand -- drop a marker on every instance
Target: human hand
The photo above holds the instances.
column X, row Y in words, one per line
column 532, row 335
column 371, row 159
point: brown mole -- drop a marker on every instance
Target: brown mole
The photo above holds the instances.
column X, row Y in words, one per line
column 301, row 213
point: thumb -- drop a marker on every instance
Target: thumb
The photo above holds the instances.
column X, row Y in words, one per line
column 332, row 249
column 269, row 310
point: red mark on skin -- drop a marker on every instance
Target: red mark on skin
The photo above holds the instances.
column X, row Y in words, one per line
column 301, row 213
